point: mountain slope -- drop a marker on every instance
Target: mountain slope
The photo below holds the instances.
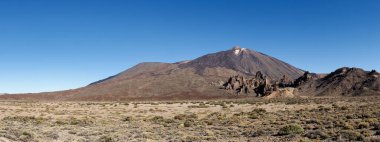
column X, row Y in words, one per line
column 176, row 81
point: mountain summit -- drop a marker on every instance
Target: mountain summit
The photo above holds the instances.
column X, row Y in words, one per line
column 244, row 61
column 182, row 80
column 237, row 50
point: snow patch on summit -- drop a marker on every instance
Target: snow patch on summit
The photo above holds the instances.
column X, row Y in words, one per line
column 237, row 51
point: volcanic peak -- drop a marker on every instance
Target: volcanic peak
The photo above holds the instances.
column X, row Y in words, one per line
column 237, row 50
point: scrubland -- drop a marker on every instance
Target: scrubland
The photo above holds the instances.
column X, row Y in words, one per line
column 298, row 119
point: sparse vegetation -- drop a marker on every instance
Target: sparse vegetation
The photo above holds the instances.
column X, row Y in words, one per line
column 246, row 120
column 25, row 119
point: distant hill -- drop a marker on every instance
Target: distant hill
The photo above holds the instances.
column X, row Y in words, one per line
column 344, row 82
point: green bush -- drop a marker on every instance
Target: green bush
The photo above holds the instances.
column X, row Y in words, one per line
column 316, row 134
column 347, row 126
column 350, row 135
column 26, row 136
column 313, row 121
column 157, row 119
column 216, row 116
column 291, row 129
column 188, row 123
column 363, row 125
column 107, row 139
column 184, row 116
column 376, row 126
column 25, row 119
column 127, row 119
column 252, row 116
column 80, row 122
column 259, row 111
column 344, row 108
column 252, row 133
column 161, row 120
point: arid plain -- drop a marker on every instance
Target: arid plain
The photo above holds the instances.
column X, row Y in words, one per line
column 298, row 119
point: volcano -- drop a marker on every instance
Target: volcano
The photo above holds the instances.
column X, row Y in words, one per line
column 175, row 81
column 243, row 61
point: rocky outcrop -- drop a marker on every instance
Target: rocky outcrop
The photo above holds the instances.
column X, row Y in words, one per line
column 286, row 82
column 306, row 77
column 259, row 85
column 262, row 86
column 342, row 82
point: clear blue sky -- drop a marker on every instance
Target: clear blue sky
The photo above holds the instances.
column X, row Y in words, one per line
column 48, row 45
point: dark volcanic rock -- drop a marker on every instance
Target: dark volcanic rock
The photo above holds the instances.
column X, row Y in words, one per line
column 259, row 85
column 286, row 82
